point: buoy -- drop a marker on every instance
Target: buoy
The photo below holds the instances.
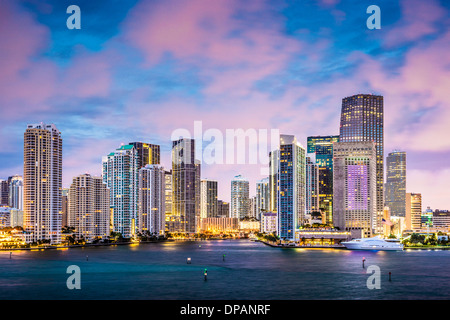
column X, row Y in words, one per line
column 87, row 258
column 363, row 259
column 206, row 275
column 223, row 258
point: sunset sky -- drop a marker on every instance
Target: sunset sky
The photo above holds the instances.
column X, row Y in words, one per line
column 138, row 70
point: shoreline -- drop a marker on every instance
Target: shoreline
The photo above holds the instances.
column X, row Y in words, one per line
column 80, row 245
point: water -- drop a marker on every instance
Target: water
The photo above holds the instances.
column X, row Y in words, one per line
column 251, row 270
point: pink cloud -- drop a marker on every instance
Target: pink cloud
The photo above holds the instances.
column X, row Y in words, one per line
column 207, row 34
column 418, row 20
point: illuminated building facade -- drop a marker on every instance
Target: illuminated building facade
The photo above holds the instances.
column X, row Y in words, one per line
column 413, row 211
column 186, row 185
column 88, row 207
column 15, row 192
column 42, row 182
column 274, row 161
column 312, row 186
column 322, row 149
column 223, row 209
column 152, row 199
column 291, row 200
column 120, row 173
column 147, row 153
column 239, row 207
column 208, row 199
column 395, row 190
column 354, row 190
column 362, row 120
column 262, row 197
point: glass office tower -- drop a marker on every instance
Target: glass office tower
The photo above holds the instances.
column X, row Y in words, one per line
column 322, row 148
column 292, row 187
column 362, row 120
column 396, row 183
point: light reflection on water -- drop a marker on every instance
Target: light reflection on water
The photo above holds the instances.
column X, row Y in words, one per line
column 249, row 270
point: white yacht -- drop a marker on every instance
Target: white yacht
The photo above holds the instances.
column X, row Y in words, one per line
column 374, row 243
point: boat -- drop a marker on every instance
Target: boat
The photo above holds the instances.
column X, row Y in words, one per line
column 374, row 243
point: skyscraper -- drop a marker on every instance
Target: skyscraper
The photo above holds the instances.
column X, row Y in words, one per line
column 291, row 183
column 88, row 207
column 147, row 153
column 354, row 190
column 186, row 185
column 15, row 190
column 4, row 192
column 152, row 199
column 120, row 173
column 208, row 199
column 322, row 148
column 396, row 183
column 262, row 197
column 413, row 211
column 362, row 120
column 312, row 186
column 65, row 207
column 239, row 206
column 42, row 181
column 223, row 209
column 274, row 161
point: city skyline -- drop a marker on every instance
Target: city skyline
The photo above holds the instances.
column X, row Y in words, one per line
column 71, row 79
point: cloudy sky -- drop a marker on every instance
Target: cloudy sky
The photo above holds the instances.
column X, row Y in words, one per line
column 138, row 70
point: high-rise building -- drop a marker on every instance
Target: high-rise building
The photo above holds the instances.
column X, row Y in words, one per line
column 65, row 207
column 292, row 187
column 223, row 209
column 322, row 149
column 252, row 208
column 15, row 189
column 120, row 173
column 395, row 190
column 312, row 186
column 186, row 185
column 354, row 189
column 81, row 213
column 274, row 161
column 147, row 153
column 208, row 198
column 413, row 211
column 88, row 207
column 441, row 218
column 42, row 181
column 172, row 221
column 102, row 216
column 152, row 199
column 239, row 206
column 5, row 217
column 4, row 192
column 362, row 120
column 262, row 197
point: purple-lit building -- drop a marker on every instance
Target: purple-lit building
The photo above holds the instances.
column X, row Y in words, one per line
column 354, row 192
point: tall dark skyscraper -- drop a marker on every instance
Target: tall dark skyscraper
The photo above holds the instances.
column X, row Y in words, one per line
column 395, row 191
column 185, row 186
column 362, row 120
column 322, row 147
column 147, row 153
